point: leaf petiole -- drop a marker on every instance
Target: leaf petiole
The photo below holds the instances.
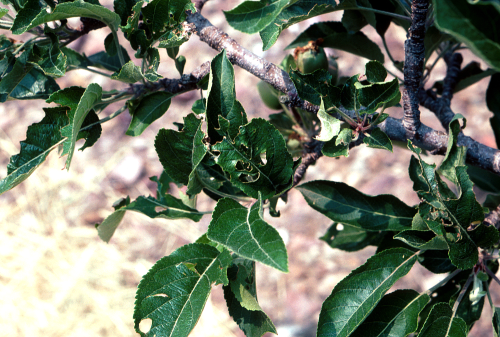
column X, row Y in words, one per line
column 394, row 15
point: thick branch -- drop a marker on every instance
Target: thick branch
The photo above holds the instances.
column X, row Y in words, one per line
column 414, row 64
column 242, row 57
column 425, row 137
column 441, row 106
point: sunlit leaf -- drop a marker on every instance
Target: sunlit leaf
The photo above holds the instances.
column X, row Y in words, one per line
column 353, row 298
column 174, row 292
column 253, row 16
column 345, row 204
column 395, row 315
column 245, row 232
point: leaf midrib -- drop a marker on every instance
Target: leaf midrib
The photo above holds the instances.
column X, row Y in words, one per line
column 357, row 208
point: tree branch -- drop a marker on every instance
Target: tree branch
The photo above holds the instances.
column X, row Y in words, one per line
column 311, row 155
column 413, row 69
column 441, row 106
column 425, row 137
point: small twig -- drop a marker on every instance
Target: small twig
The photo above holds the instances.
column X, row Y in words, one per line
column 493, row 276
column 414, row 64
column 462, row 294
column 311, row 155
column 454, row 63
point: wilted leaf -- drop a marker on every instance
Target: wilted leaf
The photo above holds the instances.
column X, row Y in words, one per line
column 129, row 73
column 422, row 240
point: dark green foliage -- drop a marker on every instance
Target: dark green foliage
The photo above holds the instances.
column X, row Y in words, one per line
column 248, row 164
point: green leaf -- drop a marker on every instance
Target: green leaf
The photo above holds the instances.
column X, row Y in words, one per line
column 174, row 38
column 75, row 60
column 349, row 96
column 461, row 212
column 455, row 155
column 437, row 261
column 483, row 179
column 475, row 26
column 496, row 322
column 339, row 146
column 471, row 74
column 257, row 159
column 124, row 9
column 422, row 240
column 53, row 61
column 253, row 16
column 312, row 87
column 395, row 315
column 493, row 103
column 150, row 108
column 92, row 134
column 3, row 11
column 103, row 60
column 153, row 62
column 163, row 16
column 32, row 15
column 129, row 73
column 245, row 232
column 241, row 299
column 485, row 236
column 375, row 95
column 221, row 101
column 378, row 139
column 180, row 62
column 297, row 12
column 80, row 105
column 330, row 126
column 345, row 204
column 335, row 36
column 181, row 152
column 107, row 228
column 22, row 66
column 351, row 238
column 441, row 322
column 41, row 138
column 174, row 292
column 164, row 206
column 362, row 290
column 375, row 72
column 34, row 85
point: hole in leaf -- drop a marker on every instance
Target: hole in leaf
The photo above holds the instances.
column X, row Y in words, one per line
column 246, row 178
column 340, row 227
column 434, row 295
column 145, row 325
column 263, row 157
column 159, row 209
column 160, row 295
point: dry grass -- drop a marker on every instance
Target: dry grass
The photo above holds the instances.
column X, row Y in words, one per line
column 58, row 279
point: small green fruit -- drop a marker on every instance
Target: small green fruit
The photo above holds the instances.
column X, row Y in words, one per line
column 311, row 60
column 269, row 95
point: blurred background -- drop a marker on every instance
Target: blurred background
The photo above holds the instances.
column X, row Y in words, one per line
column 57, row 278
